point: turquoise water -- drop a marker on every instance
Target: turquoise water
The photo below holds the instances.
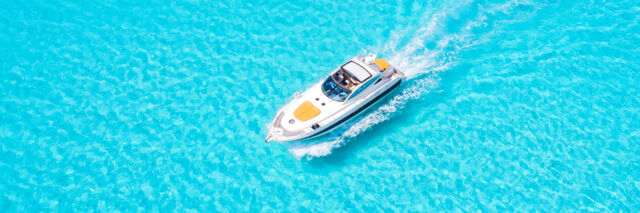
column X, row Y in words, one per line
column 133, row 106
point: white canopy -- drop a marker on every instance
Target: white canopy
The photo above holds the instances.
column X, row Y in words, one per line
column 356, row 71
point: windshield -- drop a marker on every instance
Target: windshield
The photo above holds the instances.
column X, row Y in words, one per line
column 333, row 91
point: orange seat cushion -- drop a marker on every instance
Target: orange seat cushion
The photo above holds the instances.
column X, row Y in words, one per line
column 382, row 64
column 306, row 111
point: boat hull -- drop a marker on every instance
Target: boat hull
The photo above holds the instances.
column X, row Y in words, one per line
column 343, row 118
column 355, row 113
column 359, row 84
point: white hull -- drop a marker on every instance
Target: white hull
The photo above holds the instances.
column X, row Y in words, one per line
column 316, row 112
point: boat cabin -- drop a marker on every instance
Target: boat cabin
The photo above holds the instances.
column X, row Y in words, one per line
column 346, row 79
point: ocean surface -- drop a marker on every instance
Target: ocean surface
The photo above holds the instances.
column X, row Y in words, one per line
column 163, row 106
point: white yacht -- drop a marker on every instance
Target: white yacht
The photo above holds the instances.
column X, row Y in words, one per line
column 346, row 92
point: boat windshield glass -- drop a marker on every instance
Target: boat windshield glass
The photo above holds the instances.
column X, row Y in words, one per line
column 332, row 90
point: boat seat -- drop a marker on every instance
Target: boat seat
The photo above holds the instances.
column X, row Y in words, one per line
column 382, row 64
column 306, row 111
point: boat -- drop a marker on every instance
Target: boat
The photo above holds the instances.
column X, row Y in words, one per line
column 346, row 92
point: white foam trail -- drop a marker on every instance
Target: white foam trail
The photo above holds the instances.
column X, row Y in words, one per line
column 420, row 64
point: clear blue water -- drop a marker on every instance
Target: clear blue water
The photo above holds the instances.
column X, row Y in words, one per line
column 141, row 105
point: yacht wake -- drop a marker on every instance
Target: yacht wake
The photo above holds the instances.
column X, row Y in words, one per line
column 422, row 54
